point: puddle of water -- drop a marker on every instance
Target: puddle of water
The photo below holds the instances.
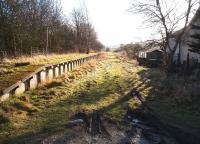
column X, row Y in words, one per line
column 146, row 134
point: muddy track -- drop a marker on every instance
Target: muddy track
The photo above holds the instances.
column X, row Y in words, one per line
column 141, row 128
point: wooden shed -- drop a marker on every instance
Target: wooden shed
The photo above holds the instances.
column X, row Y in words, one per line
column 151, row 57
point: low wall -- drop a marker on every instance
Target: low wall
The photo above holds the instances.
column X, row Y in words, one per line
column 43, row 76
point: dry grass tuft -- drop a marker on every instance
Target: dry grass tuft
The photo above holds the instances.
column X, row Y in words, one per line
column 54, row 84
column 25, row 106
column 42, row 59
column 103, row 56
column 25, row 98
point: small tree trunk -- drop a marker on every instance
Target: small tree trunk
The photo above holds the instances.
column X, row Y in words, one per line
column 188, row 64
column 88, row 50
column 14, row 45
column 170, row 63
column 179, row 55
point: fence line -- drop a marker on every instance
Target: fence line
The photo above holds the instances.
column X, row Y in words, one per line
column 42, row 76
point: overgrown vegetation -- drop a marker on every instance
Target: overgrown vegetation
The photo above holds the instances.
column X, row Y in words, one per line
column 131, row 50
column 39, row 27
column 165, row 17
column 174, row 98
column 10, row 74
column 101, row 85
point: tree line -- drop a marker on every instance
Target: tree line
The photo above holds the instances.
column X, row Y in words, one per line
column 28, row 26
column 131, row 49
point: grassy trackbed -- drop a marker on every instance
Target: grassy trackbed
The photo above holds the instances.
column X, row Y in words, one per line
column 9, row 74
column 100, row 84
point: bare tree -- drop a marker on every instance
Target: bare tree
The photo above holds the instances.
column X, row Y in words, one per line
column 86, row 37
column 166, row 16
column 40, row 24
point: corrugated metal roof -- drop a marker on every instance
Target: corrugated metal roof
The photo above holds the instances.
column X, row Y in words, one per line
column 151, row 49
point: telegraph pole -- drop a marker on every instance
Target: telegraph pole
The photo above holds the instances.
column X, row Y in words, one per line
column 47, row 41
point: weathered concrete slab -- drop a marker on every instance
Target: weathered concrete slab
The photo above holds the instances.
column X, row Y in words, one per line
column 56, row 71
column 71, row 65
column 50, row 74
column 9, row 89
column 61, row 70
column 78, row 62
column 75, row 64
column 43, row 77
column 33, row 82
column 66, row 67
column 4, row 97
column 20, row 90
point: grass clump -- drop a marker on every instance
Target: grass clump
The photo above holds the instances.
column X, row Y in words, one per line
column 25, row 106
column 116, row 114
column 133, row 104
column 4, row 118
column 54, row 84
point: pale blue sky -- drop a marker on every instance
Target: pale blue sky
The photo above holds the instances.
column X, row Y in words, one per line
column 113, row 24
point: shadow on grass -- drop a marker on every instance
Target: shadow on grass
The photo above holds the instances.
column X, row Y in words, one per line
column 174, row 101
column 156, row 90
column 54, row 118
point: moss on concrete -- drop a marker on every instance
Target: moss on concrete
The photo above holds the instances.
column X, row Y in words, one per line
column 9, row 74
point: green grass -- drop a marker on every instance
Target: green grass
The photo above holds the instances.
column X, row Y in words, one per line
column 101, row 85
column 55, row 103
